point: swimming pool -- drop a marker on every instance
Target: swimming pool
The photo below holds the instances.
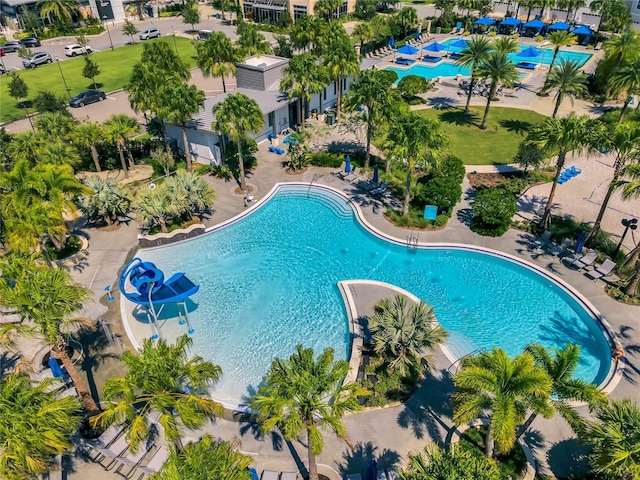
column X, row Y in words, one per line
column 269, row 282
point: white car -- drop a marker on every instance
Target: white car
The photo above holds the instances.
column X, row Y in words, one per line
column 75, row 49
column 152, row 32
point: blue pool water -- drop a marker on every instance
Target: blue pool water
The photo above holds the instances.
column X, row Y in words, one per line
column 268, row 283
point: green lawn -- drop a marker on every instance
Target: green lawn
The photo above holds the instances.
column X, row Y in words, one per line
column 115, row 68
column 507, row 127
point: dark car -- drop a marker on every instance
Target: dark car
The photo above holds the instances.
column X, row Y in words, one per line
column 86, row 97
column 1, row 52
column 12, row 47
column 30, row 42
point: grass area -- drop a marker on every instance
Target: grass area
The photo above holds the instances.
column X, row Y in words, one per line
column 115, row 69
column 498, row 144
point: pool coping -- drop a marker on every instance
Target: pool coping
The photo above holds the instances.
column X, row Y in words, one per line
column 609, row 383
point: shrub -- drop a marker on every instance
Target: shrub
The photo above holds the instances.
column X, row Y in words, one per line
column 539, row 38
column 450, row 167
column 222, row 171
column 493, row 209
column 169, row 14
column 444, row 192
column 326, row 159
column 204, row 169
column 441, row 221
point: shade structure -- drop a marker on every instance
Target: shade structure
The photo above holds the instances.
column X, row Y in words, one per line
column 585, row 32
column 535, row 24
column 435, row 47
column 56, row 371
column 460, row 44
column 484, row 21
column 407, row 50
column 391, row 42
column 530, row 52
column 559, row 26
column 511, row 22
column 580, row 242
column 347, row 164
column 375, row 178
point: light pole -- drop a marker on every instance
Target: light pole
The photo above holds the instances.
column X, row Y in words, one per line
column 64, row 80
column 105, row 18
column 631, row 223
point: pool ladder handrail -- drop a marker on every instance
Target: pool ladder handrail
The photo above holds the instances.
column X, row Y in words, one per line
column 412, row 242
column 315, row 176
column 459, row 360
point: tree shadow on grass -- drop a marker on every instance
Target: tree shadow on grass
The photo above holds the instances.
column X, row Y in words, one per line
column 458, row 117
column 516, row 126
column 442, row 103
column 98, row 86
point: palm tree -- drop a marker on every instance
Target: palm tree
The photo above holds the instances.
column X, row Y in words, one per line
column 35, row 426
column 164, row 380
column 181, row 104
column 562, row 135
column 48, row 298
column 340, row 61
column 89, row 134
column 364, row 33
column 500, row 69
column 305, row 395
column 406, row 17
column 206, row 458
column 154, row 207
column 107, row 201
column 303, row 77
column 567, row 80
column 63, row 10
column 624, row 141
column 55, row 126
column 614, row 438
column 25, row 146
column 216, row 56
column 493, row 382
column 236, row 116
column 559, row 38
column 251, row 41
column 403, row 334
column 118, row 127
column 623, row 47
column 627, row 79
column 571, row 6
column 417, row 139
column 191, row 190
column 506, row 45
column 59, row 153
column 631, row 190
column 453, row 463
column 565, row 388
column 473, row 55
column 309, row 33
column 374, row 90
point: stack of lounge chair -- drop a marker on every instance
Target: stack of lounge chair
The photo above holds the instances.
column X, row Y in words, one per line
column 431, row 58
column 274, row 149
column 527, row 65
column 585, row 260
column 405, row 61
column 543, row 241
column 568, row 174
column 380, row 190
column 603, row 270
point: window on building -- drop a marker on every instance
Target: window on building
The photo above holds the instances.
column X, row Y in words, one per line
column 299, row 11
column 271, row 118
column 343, row 9
column 325, row 93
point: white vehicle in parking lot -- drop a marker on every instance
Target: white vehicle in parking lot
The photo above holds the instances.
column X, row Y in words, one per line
column 152, row 32
column 76, row 49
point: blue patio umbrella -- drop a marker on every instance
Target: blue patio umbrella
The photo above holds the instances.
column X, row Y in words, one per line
column 484, row 21
column 253, row 474
column 56, row 371
column 375, row 178
column 392, row 42
column 347, row 165
column 580, row 242
column 417, row 35
column 559, row 26
column 435, row 47
column 372, row 470
column 407, row 50
column 530, row 52
column 460, row 43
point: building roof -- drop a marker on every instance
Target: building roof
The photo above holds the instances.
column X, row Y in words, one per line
column 269, row 101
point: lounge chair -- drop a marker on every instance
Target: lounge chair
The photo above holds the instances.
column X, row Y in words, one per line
column 156, row 462
column 380, row 190
column 114, row 450
column 557, row 250
column 584, row 261
column 131, row 459
column 542, row 241
column 455, row 55
column 431, row 59
column 351, row 176
column 269, row 475
column 288, row 476
column 527, row 65
column 104, row 440
column 341, row 171
column 603, row 270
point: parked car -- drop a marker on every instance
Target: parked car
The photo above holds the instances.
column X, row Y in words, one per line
column 152, row 32
column 30, row 42
column 39, row 58
column 75, row 49
column 1, row 52
column 12, row 47
column 86, row 97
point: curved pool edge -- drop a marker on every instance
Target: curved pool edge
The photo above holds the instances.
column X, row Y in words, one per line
column 614, row 374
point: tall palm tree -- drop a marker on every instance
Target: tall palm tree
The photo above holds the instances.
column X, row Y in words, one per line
column 567, row 80
column 561, row 135
column 303, row 395
column 472, row 56
column 63, row 10
column 206, row 458
column 89, row 134
column 559, row 39
column 631, row 190
column 162, row 379
column 107, row 201
column 181, row 104
column 251, row 41
column 571, row 6
column 364, row 33
column 341, row 61
column 403, row 334
column 25, row 146
column 493, row 382
column 614, row 438
column 303, row 77
column 59, row 153
column 626, row 79
column 55, row 126
column 35, row 426
column 417, row 139
column 216, row 56
column 309, row 33
column 118, row 127
column 624, row 141
column 506, row 45
column 452, row 463
column 499, row 69
column 407, row 17
column 374, row 90
column 623, row 47
column 48, row 298
column 560, row 364
column 236, row 116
